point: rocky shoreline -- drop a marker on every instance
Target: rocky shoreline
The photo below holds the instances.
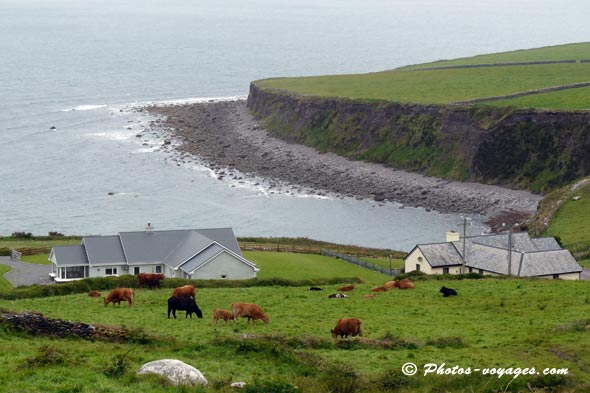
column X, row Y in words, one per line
column 226, row 138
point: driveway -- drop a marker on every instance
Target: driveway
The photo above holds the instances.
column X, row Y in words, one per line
column 24, row 273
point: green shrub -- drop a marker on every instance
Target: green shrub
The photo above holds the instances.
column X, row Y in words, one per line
column 272, row 386
column 393, row 380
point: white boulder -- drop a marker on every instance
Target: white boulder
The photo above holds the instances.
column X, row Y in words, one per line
column 178, row 372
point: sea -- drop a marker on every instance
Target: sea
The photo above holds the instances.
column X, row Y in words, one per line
column 72, row 73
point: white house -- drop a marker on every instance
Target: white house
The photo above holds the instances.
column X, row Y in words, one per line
column 192, row 253
column 491, row 255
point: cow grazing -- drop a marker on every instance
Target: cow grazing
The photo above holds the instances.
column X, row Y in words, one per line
column 448, row 292
column 406, row 284
column 391, row 284
column 118, row 295
column 183, row 304
column 315, row 289
column 379, row 289
column 219, row 313
column 347, row 327
column 185, row 291
column 337, row 296
column 149, row 280
column 248, row 310
column 94, row 294
column 345, row 288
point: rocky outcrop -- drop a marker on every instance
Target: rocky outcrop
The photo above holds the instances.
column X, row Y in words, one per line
column 531, row 149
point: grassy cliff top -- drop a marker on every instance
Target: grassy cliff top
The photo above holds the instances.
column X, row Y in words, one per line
column 494, row 77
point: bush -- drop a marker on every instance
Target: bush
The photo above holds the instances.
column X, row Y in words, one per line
column 22, row 235
column 5, row 251
column 394, row 380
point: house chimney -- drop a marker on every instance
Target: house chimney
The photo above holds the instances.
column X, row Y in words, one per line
column 149, row 226
column 453, row 236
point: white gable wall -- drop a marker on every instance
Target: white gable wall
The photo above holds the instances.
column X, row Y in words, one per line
column 226, row 265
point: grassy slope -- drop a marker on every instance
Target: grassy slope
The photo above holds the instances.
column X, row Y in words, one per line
column 501, row 323
column 456, row 85
column 572, row 99
column 570, row 223
column 4, row 284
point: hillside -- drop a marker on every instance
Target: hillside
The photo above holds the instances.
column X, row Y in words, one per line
column 519, row 119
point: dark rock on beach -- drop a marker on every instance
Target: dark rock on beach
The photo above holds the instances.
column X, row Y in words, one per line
column 225, row 135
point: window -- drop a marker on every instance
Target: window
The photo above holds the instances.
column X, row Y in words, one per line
column 480, row 271
column 136, row 270
column 223, row 276
column 111, row 271
column 445, row 270
column 555, row 276
column 470, row 270
column 72, row 272
column 159, row 269
column 418, row 267
column 419, row 259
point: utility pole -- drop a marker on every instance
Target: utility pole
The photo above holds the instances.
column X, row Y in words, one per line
column 509, row 251
column 464, row 236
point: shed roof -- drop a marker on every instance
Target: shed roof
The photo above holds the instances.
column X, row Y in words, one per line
column 548, row 263
column 70, row 255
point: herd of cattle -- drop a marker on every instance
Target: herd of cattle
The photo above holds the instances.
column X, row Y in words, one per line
column 184, row 299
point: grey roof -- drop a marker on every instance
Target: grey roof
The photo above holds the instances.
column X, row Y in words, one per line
column 546, row 244
column 548, row 263
column 491, row 259
column 223, row 236
column 203, row 257
column 192, row 244
column 441, row 254
column 104, row 249
column 150, row 246
column 70, row 255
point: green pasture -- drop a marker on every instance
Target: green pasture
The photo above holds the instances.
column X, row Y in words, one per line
column 492, row 323
column 578, row 51
column 41, row 259
column 445, row 86
column 10, row 242
column 307, row 267
column 4, row 284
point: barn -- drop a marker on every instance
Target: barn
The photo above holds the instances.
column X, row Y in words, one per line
column 212, row 253
column 515, row 254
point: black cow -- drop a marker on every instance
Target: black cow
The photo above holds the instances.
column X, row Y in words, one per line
column 183, row 304
column 448, row 292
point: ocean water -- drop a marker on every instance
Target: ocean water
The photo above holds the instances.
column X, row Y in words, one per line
column 71, row 73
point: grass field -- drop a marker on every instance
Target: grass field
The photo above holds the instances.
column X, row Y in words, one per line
column 571, row 99
column 407, row 85
column 492, row 323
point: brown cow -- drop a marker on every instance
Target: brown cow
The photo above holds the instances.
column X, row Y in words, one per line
column 379, row 289
column 94, row 294
column 406, row 284
column 118, row 295
column 345, row 288
column 185, row 291
column 347, row 327
column 150, row 280
column 219, row 313
column 391, row 284
column 248, row 310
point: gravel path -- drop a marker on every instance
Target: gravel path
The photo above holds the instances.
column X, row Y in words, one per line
column 226, row 138
column 24, row 273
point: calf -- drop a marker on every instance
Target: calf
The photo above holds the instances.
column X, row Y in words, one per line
column 347, row 327
column 149, row 280
column 183, row 304
column 185, row 291
column 379, row 289
column 337, row 296
column 250, row 311
column 391, row 284
column 448, row 292
column 219, row 313
column 94, row 294
column 345, row 288
column 118, row 295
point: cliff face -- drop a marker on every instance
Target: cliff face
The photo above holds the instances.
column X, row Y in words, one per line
column 529, row 149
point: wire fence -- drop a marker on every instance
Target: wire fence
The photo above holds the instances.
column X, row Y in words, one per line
column 367, row 265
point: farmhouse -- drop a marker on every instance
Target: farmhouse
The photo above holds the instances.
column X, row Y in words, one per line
column 492, row 255
column 197, row 253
